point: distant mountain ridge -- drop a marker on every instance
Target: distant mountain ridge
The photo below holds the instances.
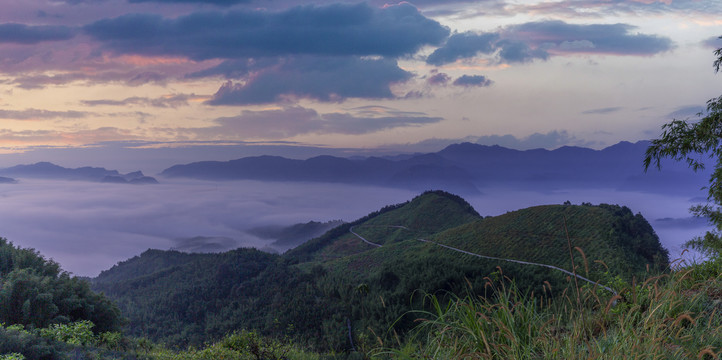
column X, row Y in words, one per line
column 466, row 169
column 47, row 170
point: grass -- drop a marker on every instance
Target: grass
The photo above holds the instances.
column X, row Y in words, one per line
column 675, row 315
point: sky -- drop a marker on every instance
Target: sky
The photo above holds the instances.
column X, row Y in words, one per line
column 336, row 74
column 146, row 84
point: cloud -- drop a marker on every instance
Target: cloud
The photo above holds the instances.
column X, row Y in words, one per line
column 685, row 223
column 686, row 112
column 463, row 45
column 213, row 2
column 39, row 114
column 606, row 110
column 714, row 42
column 472, row 81
column 171, row 101
column 511, row 51
column 235, row 69
column 131, row 78
column 12, row 139
column 29, row 35
column 322, row 79
column 338, row 29
column 614, row 39
column 540, row 40
column 596, row 8
column 296, row 120
column 438, row 79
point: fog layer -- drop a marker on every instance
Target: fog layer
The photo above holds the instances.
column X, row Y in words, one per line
column 88, row 227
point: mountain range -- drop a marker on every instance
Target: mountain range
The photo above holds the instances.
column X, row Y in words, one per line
column 467, row 169
column 47, row 170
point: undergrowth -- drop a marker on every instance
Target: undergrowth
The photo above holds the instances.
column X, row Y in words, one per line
column 674, row 315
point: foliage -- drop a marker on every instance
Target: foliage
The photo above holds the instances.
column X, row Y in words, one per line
column 35, row 292
column 672, row 316
column 682, row 140
column 16, row 340
column 78, row 333
column 12, row 356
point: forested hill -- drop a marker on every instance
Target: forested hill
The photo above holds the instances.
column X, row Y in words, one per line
column 312, row 293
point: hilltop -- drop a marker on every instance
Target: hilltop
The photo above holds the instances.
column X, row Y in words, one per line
column 314, row 292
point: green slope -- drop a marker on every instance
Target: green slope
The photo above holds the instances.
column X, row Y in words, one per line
column 428, row 213
column 608, row 234
column 312, row 293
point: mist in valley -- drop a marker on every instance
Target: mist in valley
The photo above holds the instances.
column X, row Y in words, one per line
column 88, row 227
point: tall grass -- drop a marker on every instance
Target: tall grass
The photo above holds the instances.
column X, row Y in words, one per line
column 676, row 315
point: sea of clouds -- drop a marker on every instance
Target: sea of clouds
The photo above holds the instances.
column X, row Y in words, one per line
column 88, row 227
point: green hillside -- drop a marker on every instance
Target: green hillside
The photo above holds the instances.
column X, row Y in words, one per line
column 607, row 234
column 315, row 292
column 429, row 213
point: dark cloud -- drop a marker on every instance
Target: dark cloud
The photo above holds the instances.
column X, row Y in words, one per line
column 28, row 34
column 213, row 2
column 131, row 78
column 463, row 45
column 378, row 110
column 439, row 79
column 338, row 29
column 562, row 37
column 472, row 81
column 606, row 110
column 323, row 79
column 598, row 8
column 296, row 120
column 172, row 101
column 235, row 69
column 39, row 114
column 540, row 40
column 511, row 51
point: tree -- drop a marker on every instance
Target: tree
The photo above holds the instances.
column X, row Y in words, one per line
column 691, row 141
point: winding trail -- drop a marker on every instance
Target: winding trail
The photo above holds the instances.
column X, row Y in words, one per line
column 363, row 238
column 489, row 257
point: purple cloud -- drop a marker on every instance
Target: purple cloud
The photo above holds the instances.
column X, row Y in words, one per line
column 439, row 79
column 296, row 120
column 561, row 37
column 463, row 45
column 472, row 81
column 714, row 42
column 540, row 40
column 28, row 35
column 337, row 29
column 323, row 79
column 213, row 2
column 606, row 110
column 38, row 114
column 174, row 101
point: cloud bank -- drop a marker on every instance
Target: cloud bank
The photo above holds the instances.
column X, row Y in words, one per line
column 338, row 29
column 543, row 39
